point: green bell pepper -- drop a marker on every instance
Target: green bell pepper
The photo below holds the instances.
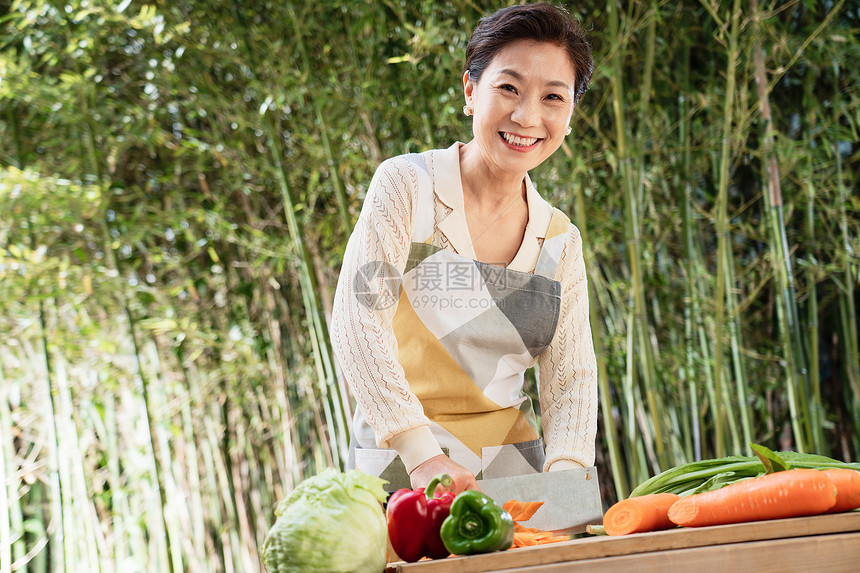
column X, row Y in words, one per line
column 476, row 525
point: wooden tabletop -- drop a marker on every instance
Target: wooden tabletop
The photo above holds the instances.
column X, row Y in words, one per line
column 828, row 543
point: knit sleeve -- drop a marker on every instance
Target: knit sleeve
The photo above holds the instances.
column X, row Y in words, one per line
column 365, row 301
column 568, row 369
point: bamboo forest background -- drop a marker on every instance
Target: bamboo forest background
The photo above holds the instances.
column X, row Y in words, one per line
column 178, row 181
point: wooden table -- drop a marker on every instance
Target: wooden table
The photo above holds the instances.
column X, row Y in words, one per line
column 818, row 544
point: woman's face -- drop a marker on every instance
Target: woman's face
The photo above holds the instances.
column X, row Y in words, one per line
column 522, row 104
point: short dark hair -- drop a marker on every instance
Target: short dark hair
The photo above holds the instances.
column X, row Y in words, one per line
column 540, row 22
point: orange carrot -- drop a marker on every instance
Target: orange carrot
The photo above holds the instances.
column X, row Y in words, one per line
column 529, row 536
column 847, row 484
column 782, row 494
column 637, row 514
column 522, row 510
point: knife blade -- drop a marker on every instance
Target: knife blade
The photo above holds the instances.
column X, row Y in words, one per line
column 571, row 497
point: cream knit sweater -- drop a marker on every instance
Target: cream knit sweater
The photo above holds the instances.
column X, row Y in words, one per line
column 366, row 348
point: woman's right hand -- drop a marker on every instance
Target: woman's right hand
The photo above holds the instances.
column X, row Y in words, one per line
column 442, row 464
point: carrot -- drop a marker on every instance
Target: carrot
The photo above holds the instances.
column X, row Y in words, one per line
column 637, row 514
column 847, row 484
column 553, row 539
column 529, row 536
column 525, row 538
column 522, row 510
column 782, row 494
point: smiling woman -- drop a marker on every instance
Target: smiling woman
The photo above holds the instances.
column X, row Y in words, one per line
column 439, row 385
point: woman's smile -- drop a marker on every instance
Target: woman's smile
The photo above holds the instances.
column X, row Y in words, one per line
column 518, row 142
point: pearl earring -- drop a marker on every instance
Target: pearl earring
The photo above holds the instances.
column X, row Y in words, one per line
column 466, row 110
column 569, row 129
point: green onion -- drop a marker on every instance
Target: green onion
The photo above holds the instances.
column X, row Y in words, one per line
column 708, row 475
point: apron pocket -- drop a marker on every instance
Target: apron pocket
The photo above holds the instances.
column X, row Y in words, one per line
column 512, row 459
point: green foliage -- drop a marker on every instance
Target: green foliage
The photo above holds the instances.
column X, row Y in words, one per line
column 178, row 181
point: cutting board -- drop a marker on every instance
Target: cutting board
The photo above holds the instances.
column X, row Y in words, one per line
column 828, row 543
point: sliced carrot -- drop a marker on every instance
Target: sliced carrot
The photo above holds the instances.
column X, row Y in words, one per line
column 847, row 484
column 522, row 510
column 554, row 539
column 524, row 539
column 782, row 494
column 529, row 536
column 638, row 514
column 520, row 541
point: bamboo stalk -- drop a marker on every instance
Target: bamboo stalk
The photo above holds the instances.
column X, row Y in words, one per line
column 812, row 322
column 238, row 476
column 642, row 349
column 736, row 342
column 721, row 417
column 284, row 455
column 220, row 445
column 333, row 407
column 172, row 516
column 340, row 194
column 812, row 291
column 17, row 547
column 790, row 334
column 307, row 436
column 656, row 404
column 195, row 485
column 262, row 486
column 36, row 560
column 128, row 538
column 616, row 320
column 153, row 444
column 60, row 550
column 619, row 469
column 81, row 518
column 155, row 451
column 846, row 301
column 638, row 435
column 211, row 453
column 11, row 520
column 227, row 488
column 690, row 268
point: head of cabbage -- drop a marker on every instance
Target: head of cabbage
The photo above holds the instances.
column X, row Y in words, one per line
column 330, row 523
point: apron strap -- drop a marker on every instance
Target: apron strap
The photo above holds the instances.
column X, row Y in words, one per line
column 553, row 244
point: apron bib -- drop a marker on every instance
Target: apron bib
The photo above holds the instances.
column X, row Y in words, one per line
column 466, row 333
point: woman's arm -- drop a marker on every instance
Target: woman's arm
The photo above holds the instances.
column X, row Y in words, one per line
column 361, row 330
column 568, row 370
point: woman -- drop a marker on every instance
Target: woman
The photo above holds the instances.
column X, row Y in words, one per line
column 459, row 276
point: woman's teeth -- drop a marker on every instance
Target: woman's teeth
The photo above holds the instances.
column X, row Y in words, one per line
column 519, row 141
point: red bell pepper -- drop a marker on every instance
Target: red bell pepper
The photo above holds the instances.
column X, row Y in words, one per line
column 415, row 518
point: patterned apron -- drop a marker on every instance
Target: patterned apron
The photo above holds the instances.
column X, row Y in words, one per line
column 466, row 333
